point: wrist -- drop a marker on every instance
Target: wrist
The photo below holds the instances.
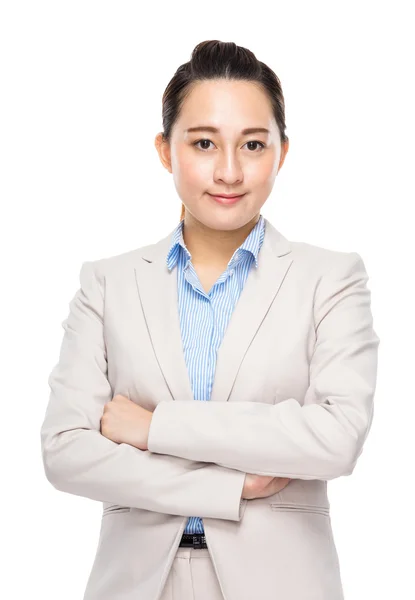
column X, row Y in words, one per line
column 149, row 420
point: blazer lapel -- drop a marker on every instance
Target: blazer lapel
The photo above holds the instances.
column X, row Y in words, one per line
column 157, row 292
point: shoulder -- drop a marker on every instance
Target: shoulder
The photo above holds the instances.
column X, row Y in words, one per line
column 311, row 260
column 319, row 260
column 116, row 264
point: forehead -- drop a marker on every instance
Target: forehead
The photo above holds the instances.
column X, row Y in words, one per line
column 226, row 105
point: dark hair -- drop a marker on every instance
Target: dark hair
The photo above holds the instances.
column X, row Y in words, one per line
column 213, row 59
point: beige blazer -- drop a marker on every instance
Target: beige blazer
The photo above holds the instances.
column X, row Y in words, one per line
column 292, row 396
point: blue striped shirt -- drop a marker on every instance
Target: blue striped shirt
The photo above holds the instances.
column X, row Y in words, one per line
column 204, row 317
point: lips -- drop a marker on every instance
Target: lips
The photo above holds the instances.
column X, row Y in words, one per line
column 227, row 199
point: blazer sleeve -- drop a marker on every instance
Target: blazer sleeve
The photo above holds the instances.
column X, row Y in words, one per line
column 79, row 460
column 321, row 438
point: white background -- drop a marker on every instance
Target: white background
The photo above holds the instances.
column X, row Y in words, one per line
column 81, row 87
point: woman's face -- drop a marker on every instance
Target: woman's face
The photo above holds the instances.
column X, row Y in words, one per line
column 226, row 161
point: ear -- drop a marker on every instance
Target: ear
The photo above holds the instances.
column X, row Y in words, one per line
column 284, row 150
column 163, row 149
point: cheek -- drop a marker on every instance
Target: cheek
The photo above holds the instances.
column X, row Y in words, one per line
column 188, row 171
column 261, row 172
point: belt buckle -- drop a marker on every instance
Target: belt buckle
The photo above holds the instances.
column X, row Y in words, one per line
column 194, row 540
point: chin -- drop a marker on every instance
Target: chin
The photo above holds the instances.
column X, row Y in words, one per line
column 222, row 221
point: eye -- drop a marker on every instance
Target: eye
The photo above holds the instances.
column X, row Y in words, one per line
column 262, row 146
column 257, row 142
column 199, row 141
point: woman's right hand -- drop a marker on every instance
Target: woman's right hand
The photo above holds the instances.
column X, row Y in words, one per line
column 262, row 486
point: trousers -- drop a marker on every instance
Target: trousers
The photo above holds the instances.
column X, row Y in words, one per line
column 192, row 577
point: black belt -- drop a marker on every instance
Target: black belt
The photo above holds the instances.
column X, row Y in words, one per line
column 193, row 540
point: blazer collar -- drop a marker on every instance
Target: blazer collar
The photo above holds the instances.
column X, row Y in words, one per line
column 157, row 295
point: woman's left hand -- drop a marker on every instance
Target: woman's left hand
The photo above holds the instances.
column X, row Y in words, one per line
column 124, row 421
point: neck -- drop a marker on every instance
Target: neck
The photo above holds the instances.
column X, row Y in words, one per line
column 210, row 246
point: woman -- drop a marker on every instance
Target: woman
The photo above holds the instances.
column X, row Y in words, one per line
column 274, row 337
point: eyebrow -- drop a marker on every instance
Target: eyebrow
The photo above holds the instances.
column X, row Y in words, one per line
column 215, row 130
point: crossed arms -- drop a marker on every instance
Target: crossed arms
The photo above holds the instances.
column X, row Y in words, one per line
column 321, row 439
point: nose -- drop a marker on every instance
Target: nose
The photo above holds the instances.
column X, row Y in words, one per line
column 228, row 168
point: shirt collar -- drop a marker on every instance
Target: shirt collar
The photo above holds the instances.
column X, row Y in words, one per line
column 252, row 244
